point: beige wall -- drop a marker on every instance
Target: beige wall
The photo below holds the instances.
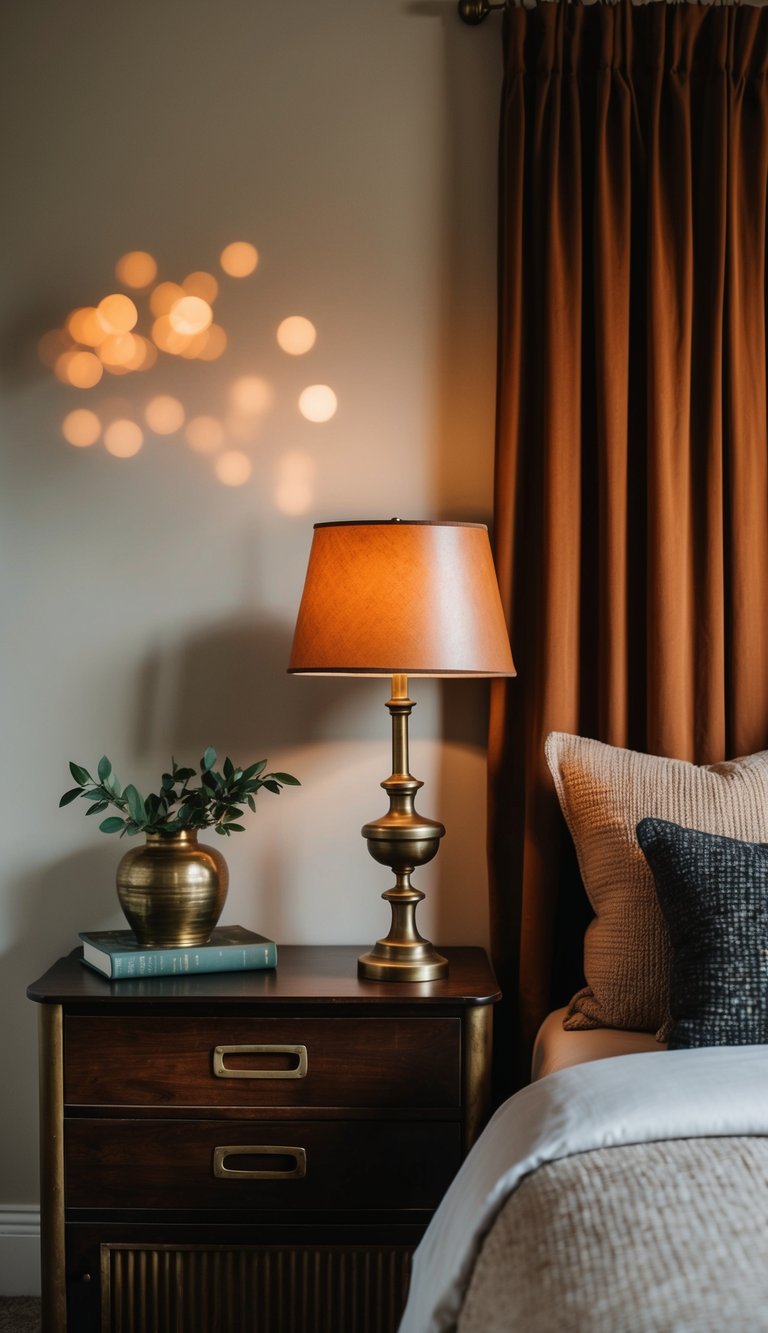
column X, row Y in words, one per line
column 146, row 607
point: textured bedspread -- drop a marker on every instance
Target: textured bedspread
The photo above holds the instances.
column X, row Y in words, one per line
column 650, row 1238
column 595, row 1234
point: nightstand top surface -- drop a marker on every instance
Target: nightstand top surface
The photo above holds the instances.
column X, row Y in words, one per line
column 309, row 974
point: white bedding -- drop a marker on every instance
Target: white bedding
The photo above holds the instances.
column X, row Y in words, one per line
column 640, row 1098
column 557, row 1049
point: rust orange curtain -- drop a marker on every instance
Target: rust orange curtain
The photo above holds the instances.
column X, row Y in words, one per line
column 631, row 519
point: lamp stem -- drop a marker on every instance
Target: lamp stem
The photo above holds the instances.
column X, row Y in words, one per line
column 403, row 840
column 400, row 715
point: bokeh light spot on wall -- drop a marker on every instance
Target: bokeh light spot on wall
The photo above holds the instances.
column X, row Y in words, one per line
column 81, row 428
column 164, row 414
column 164, row 296
column 296, row 335
column 190, row 315
column 86, row 326
column 194, row 345
column 318, row 402
column 136, row 269
column 118, row 313
column 123, row 438
column 251, row 395
column 82, row 370
column 117, row 349
column 233, row 468
column 239, row 259
column 204, row 434
column 167, row 338
column 144, row 354
column 295, row 485
column 201, row 284
column 215, row 344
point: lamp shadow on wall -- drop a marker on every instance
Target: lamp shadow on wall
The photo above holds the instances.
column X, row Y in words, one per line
column 227, row 684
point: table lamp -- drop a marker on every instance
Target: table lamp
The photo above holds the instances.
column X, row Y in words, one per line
column 401, row 598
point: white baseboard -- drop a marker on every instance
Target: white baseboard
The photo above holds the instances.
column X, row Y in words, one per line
column 19, row 1251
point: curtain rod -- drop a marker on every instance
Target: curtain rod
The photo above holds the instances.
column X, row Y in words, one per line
column 473, row 12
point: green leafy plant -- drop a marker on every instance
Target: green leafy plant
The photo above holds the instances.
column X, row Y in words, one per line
column 216, row 801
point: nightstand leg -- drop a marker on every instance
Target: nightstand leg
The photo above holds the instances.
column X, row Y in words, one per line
column 476, row 1070
column 53, row 1289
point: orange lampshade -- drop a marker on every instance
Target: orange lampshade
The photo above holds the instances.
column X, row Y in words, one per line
column 406, row 597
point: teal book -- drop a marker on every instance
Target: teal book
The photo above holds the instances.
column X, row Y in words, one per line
column 117, row 954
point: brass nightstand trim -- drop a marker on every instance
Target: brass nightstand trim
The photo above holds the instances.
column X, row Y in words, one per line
column 476, row 1069
column 226, row 1071
column 222, row 1172
column 50, row 1049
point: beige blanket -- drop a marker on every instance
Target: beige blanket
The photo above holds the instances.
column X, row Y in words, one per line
column 669, row 1237
column 634, row 1196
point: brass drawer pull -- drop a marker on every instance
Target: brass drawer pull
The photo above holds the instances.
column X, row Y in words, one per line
column 296, row 1172
column 226, row 1071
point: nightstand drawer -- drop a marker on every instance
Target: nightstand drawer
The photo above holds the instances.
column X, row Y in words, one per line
column 296, row 1165
column 240, row 1062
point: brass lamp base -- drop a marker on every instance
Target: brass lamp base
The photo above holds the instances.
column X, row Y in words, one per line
column 392, row 962
column 402, row 840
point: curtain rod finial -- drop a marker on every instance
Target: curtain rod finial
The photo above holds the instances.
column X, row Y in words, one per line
column 474, row 11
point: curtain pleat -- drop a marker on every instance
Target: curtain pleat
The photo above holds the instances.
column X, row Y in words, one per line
column 631, row 512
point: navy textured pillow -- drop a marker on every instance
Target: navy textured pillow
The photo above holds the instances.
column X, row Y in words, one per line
column 713, row 893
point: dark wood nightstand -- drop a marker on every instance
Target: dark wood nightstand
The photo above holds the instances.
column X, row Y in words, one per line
column 253, row 1152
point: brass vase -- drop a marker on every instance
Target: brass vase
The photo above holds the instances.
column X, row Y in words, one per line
column 172, row 891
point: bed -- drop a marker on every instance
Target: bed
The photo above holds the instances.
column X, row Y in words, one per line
column 626, row 1187
column 557, row 1048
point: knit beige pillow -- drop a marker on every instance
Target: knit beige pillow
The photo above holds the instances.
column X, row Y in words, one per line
column 604, row 792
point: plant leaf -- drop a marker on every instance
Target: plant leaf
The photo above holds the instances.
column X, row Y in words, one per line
column 80, row 775
column 152, row 806
column 104, row 769
column 135, row 804
column 97, row 808
column 208, row 759
column 111, row 825
column 287, row 779
column 254, row 769
column 70, row 796
column 234, row 828
column 271, row 786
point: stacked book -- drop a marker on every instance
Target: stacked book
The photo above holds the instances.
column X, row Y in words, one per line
column 117, row 954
